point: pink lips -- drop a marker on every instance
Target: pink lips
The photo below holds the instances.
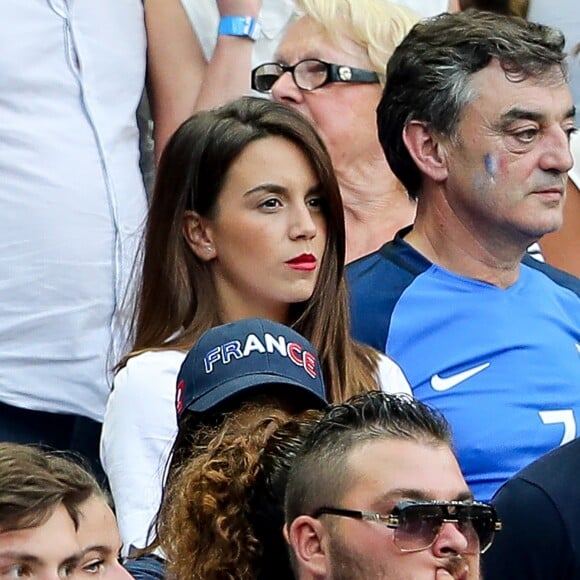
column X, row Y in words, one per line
column 550, row 197
column 551, row 191
column 305, row 262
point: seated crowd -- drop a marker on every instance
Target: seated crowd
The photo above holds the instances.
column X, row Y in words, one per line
column 345, row 360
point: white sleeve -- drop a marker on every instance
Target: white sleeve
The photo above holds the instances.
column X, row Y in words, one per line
column 139, row 428
column 391, row 378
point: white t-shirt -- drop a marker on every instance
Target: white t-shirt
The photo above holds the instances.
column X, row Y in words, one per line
column 71, row 196
column 140, row 427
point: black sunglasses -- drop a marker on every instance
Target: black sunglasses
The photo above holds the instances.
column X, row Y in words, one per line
column 309, row 74
column 417, row 523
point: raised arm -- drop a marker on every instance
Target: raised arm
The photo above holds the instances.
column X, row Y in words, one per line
column 180, row 80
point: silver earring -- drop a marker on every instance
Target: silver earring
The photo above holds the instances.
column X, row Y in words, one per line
column 208, row 249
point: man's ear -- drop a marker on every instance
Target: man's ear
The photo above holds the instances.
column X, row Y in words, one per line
column 309, row 540
column 426, row 150
column 198, row 235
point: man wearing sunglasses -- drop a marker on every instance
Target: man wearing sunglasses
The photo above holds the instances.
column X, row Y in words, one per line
column 376, row 492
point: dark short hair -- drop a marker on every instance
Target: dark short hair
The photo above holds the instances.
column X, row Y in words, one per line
column 31, row 488
column 319, row 475
column 429, row 74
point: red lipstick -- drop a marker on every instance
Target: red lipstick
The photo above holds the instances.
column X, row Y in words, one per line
column 305, row 262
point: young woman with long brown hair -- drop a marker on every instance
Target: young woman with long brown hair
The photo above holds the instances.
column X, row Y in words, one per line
column 246, row 220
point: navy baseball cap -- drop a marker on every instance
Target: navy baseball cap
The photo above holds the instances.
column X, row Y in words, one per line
column 243, row 355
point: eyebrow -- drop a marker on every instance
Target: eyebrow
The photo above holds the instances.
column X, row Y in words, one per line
column 35, row 560
column 517, row 114
column 101, row 549
column 276, row 188
column 267, row 187
column 417, row 495
column 21, row 557
column 72, row 561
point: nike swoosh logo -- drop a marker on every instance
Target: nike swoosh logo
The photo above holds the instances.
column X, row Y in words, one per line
column 444, row 384
column 578, row 348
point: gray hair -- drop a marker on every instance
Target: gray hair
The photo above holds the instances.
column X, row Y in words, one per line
column 429, row 74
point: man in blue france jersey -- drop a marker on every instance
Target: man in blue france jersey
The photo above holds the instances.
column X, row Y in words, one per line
column 475, row 121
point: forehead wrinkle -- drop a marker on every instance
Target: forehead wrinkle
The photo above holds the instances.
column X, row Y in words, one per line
column 320, row 44
column 554, row 80
column 308, row 45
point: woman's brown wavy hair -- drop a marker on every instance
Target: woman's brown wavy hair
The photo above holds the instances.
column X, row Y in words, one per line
column 226, row 502
column 176, row 301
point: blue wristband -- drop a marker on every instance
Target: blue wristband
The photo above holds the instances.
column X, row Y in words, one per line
column 245, row 26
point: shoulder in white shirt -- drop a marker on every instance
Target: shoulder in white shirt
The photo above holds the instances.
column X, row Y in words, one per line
column 139, row 429
column 391, row 378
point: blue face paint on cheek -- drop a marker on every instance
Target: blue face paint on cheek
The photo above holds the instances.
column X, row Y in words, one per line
column 490, row 163
column 483, row 181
